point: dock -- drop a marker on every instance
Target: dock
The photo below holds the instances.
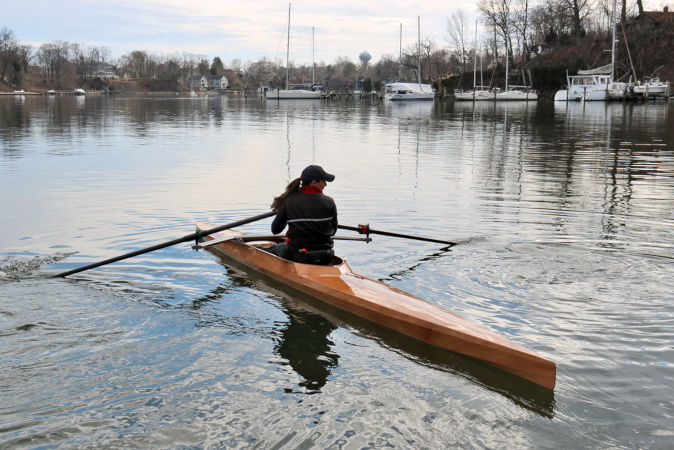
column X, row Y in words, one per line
column 59, row 93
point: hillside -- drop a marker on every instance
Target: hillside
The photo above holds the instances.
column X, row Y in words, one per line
column 650, row 50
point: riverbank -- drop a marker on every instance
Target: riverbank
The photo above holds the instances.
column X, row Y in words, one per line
column 640, row 53
column 647, row 53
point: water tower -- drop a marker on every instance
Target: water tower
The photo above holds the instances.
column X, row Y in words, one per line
column 365, row 57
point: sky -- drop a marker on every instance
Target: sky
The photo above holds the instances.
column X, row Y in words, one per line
column 236, row 29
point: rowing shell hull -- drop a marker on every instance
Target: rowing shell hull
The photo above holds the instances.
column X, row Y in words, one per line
column 340, row 287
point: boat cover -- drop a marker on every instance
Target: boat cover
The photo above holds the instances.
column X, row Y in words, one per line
column 603, row 70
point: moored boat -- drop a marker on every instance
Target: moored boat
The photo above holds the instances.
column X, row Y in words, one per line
column 408, row 91
column 652, row 87
column 516, row 93
column 598, row 84
column 295, row 94
column 479, row 93
column 337, row 285
column 287, row 93
column 588, row 85
column 398, row 91
column 618, row 90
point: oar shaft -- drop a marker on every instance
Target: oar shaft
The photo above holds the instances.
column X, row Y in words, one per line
column 364, row 230
column 186, row 238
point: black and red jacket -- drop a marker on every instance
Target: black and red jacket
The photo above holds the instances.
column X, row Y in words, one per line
column 311, row 217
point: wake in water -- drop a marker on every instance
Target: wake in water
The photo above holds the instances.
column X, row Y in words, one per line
column 14, row 268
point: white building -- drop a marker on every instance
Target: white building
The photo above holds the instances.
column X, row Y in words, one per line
column 198, row 82
column 217, row 82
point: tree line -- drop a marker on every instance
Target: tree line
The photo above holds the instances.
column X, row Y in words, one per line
column 512, row 25
column 61, row 63
column 522, row 28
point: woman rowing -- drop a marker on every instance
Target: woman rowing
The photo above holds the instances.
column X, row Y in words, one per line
column 310, row 215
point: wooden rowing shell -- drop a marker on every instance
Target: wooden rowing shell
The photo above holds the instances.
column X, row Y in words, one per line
column 340, row 287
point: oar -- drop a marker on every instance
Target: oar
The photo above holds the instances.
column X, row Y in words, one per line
column 365, row 229
column 189, row 237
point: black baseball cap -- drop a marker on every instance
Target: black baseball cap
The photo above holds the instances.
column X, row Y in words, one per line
column 311, row 173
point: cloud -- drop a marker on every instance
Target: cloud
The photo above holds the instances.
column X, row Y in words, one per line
column 238, row 29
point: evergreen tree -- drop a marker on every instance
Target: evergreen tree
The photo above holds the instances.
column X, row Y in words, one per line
column 217, row 67
column 203, row 67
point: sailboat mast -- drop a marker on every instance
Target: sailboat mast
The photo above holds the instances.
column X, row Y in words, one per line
column 507, row 58
column 313, row 59
column 400, row 59
column 481, row 79
column 288, row 49
column 419, row 52
column 613, row 43
column 507, row 55
column 475, row 59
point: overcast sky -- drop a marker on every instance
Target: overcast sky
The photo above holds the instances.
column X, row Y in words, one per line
column 236, row 29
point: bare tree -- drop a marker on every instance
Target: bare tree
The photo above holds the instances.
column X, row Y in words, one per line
column 640, row 7
column 427, row 48
column 236, row 65
column 519, row 21
column 441, row 61
column 8, row 45
column 95, row 57
column 189, row 64
column 386, row 68
column 54, row 58
column 411, row 60
column 456, row 33
column 576, row 10
column 136, row 64
column 495, row 14
column 14, row 57
column 260, row 72
column 345, row 67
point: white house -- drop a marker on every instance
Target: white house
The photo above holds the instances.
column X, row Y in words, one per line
column 198, row 82
column 104, row 70
column 218, row 82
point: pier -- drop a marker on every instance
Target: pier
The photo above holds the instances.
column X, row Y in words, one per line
column 59, row 93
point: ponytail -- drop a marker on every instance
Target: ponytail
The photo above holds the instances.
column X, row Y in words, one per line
column 292, row 188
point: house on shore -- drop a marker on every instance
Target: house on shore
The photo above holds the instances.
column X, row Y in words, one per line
column 650, row 20
column 217, row 82
column 198, row 82
column 210, row 83
column 105, row 70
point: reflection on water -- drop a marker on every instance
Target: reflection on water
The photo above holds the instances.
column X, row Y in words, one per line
column 304, row 342
column 563, row 214
column 302, row 339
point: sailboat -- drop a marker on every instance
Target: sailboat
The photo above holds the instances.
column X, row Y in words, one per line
column 478, row 92
column 514, row 92
column 410, row 91
column 295, row 94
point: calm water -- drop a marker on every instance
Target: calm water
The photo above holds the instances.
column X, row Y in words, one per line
column 563, row 215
